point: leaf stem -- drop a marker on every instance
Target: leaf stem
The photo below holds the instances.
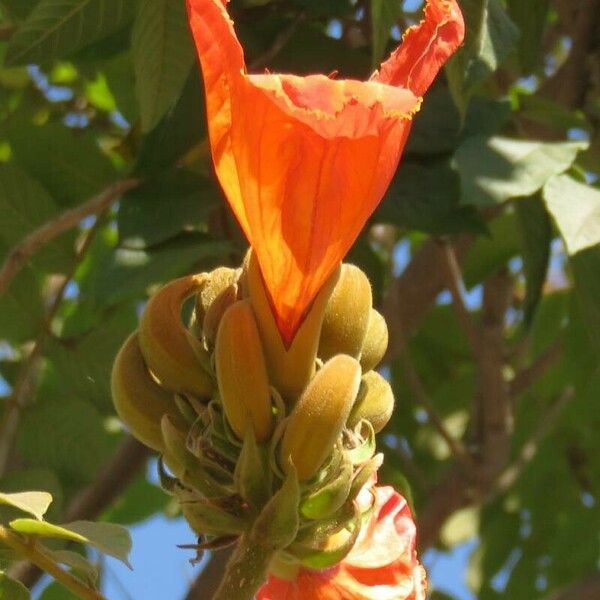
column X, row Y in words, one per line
column 246, row 570
column 30, row 551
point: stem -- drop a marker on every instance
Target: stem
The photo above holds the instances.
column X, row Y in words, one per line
column 32, row 553
column 246, row 570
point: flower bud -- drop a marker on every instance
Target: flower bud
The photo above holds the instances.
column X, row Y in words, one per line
column 319, row 416
column 375, row 343
column 169, row 350
column 242, row 373
column 290, row 369
column 215, row 312
column 216, row 281
column 139, row 401
column 375, row 402
column 347, row 315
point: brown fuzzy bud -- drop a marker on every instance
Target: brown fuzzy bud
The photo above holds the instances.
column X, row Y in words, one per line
column 375, row 343
column 319, row 416
column 242, row 373
column 139, row 401
column 375, row 402
column 347, row 315
column 169, row 350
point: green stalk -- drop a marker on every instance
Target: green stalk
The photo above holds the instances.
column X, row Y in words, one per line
column 246, row 570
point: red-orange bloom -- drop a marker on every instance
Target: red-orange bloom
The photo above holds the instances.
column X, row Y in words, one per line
column 304, row 161
column 382, row 565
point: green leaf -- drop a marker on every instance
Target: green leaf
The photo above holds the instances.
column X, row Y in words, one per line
column 34, row 503
column 576, row 210
column 490, row 37
column 427, row 198
column 530, row 18
column 21, row 306
column 536, row 237
column 110, row 539
column 66, row 161
column 586, row 267
column 56, row 28
column 80, row 564
column 180, row 130
column 20, row 8
column 497, row 169
column 164, row 206
column 10, row 589
column 129, row 271
column 24, row 206
column 65, row 435
column 163, row 56
column 384, row 14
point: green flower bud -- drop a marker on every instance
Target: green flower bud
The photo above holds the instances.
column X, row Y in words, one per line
column 347, row 315
column 375, row 343
column 242, row 373
column 375, row 402
column 319, row 416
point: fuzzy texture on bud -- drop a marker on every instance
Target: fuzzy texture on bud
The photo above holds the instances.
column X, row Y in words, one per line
column 375, row 402
column 242, row 373
column 347, row 315
column 167, row 346
column 140, row 402
column 376, row 342
column 319, row 416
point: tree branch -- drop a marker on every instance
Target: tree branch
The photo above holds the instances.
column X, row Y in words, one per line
column 411, row 296
column 527, row 377
column 19, row 256
column 210, row 578
column 587, row 589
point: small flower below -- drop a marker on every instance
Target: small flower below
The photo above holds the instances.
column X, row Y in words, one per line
column 383, row 564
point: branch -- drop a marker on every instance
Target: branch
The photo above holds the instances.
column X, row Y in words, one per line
column 29, row 549
column 280, row 42
column 527, row 377
column 411, row 296
column 587, row 589
column 210, row 578
column 93, row 500
column 492, row 421
column 530, row 448
column 19, row 256
column 569, row 85
column 454, row 281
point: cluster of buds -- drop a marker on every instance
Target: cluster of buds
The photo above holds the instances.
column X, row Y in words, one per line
column 256, row 436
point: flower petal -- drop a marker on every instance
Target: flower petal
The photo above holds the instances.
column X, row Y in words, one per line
column 425, row 48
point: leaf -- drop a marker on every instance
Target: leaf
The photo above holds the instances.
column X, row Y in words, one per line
column 65, row 435
column 576, row 209
column 56, row 28
column 34, row 503
column 586, row 267
column 530, row 18
column 536, row 237
column 67, row 162
column 490, row 37
column 20, row 8
column 10, row 589
column 165, row 205
column 110, row 539
column 21, row 306
column 24, row 206
column 427, row 198
column 180, row 129
column 462, row 526
column 80, row 564
column 384, row 13
column 163, row 56
column 497, row 169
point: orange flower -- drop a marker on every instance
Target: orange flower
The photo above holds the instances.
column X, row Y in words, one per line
column 304, row 161
column 382, row 565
